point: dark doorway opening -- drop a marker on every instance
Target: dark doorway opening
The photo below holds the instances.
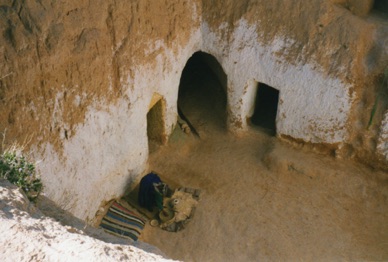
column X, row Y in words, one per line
column 202, row 93
column 155, row 126
column 381, row 6
column 266, row 107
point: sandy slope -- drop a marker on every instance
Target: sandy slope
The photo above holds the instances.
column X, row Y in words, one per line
column 28, row 235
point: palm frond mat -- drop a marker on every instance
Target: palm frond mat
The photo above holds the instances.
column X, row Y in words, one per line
column 122, row 222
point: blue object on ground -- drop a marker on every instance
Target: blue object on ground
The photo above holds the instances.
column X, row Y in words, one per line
column 147, row 194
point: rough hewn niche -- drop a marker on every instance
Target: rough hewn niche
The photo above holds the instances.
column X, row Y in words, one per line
column 78, row 79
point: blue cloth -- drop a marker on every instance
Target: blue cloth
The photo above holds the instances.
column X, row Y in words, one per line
column 147, row 194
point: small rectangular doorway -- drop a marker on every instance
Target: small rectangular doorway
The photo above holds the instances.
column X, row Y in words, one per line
column 266, row 107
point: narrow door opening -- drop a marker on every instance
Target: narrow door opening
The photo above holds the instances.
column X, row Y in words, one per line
column 266, row 107
column 155, row 126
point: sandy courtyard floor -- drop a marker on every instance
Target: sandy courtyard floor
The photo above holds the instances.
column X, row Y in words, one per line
column 263, row 200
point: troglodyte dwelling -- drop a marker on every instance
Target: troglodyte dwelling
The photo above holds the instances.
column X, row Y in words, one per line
column 87, row 85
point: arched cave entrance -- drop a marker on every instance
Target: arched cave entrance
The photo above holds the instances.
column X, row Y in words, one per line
column 266, row 107
column 202, row 94
column 155, row 124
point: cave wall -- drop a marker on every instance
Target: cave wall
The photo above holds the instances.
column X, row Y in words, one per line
column 77, row 79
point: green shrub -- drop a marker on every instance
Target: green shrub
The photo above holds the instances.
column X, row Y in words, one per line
column 18, row 170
